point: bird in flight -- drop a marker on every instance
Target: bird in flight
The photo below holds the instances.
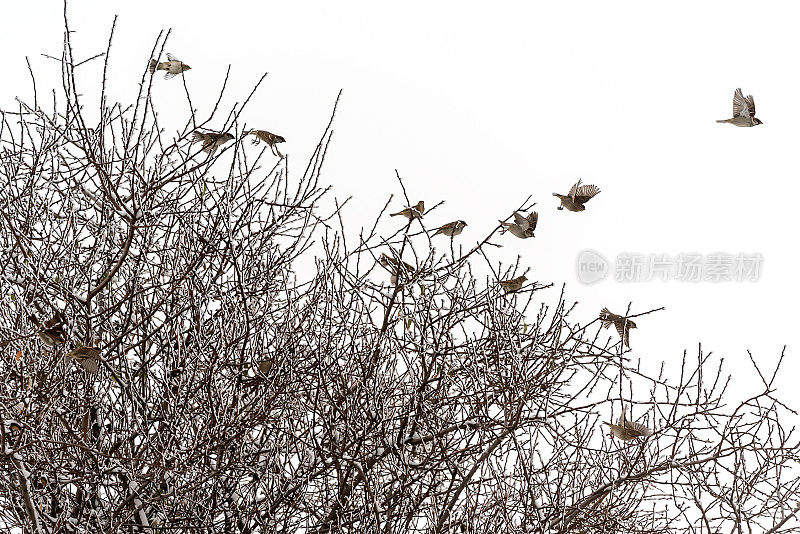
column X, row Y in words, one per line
column 52, row 332
column 451, row 229
column 173, row 66
column 622, row 324
column 523, row 226
column 270, row 138
column 628, row 430
column 211, row 140
column 87, row 357
column 577, row 197
column 412, row 212
column 744, row 110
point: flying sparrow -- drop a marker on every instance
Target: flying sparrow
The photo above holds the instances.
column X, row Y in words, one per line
column 451, row 229
column 52, row 333
column 413, row 212
column 523, row 226
column 173, row 67
column 211, row 140
column 577, row 197
column 270, row 138
column 744, row 110
column 622, row 324
column 513, row 285
column 628, row 430
column 87, row 356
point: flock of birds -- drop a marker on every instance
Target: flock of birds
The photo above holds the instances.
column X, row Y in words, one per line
column 211, row 141
column 53, row 331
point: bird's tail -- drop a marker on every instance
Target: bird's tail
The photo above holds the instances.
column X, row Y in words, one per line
column 604, row 320
column 395, row 214
column 153, row 65
column 723, row 120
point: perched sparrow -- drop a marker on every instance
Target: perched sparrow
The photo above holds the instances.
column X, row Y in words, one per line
column 264, row 366
column 451, row 229
column 270, row 138
column 395, row 267
column 212, row 140
column 522, row 227
column 413, row 212
column 173, row 67
column 622, row 324
column 513, row 285
column 744, row 110
column 88, row 357
column 52, row 332
column 577, row 197
column 628, row 430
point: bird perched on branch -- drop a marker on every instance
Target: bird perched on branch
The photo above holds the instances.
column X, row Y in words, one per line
column 523, row 226
column 628, row 430
column 451, row 229
column 87, row 356
column 270, row 138
column 173, row 66
column 622, row 324
column 513, row 285
column 744, row 110
column 395, row 267
column 577, row 197
column 211, row 140
column 52, row 332
column 412, row 212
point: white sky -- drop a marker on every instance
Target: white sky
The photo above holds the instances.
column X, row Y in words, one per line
column 482, row 105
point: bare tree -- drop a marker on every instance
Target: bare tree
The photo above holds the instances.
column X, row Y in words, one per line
column 262, row 369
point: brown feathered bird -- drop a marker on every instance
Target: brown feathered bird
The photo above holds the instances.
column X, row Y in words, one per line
column 628, row 430
column 577, row 197
column 87, row 357
column 52, row 332
column 211, row 140
column 523, row 226
column 513, row 285
column 622, row 324
column 412, row 212
column 270, row 138
column 451, row 229
column 173, row 66
column 395, row 267
column 744, row 111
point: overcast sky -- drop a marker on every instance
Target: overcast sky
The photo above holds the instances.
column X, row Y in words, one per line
column 482, row 104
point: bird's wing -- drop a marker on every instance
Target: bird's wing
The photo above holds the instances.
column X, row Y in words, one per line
column 751, row 105
column 170, row 75
column 740, row 105
column 521, row 221
column 621, row 330
column 173, row 58
column 585, row 192
column 532, row 219
column 90, row 365
column 574, row 190
column 638, row 428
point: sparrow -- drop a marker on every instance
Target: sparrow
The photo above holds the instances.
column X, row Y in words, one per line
column 513, row 285
column 622, row 324
column 744, row 110
column 52, row 332
column 413, row 212
column 577, row 197
column 451, row 229
column 270, row 138
column 173, row 67
column 264, row 366
column 395, row 267
column 211, row 140
column 523, row 226
column 87, row 356
column 628, row 430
